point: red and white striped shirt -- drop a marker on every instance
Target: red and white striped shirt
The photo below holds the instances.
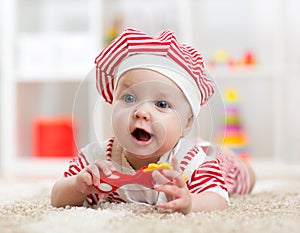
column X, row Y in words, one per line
column 223, row 174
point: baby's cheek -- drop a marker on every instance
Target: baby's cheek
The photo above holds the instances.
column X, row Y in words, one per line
column 173, row 128
column 115, row 118
column 120, row 114
column 120, row 123
column 176, row 125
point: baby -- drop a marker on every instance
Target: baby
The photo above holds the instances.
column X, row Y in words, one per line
column 156, row 87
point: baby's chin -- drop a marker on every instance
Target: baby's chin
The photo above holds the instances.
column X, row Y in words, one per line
column 146, row 152
column 143, row 153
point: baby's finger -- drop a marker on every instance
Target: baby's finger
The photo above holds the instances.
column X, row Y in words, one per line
column 176, row 205
column 170, row 174
column 176, row 177
column 94, row 172
column 83, row 181
column 180, row 181
column 86, row 177
column 105, row 166
column 159, row 178
column 175, row 164
column 112, row 167
column 169, row 190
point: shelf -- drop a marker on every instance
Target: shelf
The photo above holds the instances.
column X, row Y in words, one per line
column 54, row 56
column 244, row 73
column 50, row 77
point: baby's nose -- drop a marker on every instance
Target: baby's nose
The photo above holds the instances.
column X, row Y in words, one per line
column 141, row 113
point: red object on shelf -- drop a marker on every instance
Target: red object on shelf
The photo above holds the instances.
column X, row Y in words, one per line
column 249, row 58
column 53, row 137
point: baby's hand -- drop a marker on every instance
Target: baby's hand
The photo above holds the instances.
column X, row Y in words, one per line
column 90, row 176
column 172, row 183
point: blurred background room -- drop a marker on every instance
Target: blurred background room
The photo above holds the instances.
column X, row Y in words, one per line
column 49, row 103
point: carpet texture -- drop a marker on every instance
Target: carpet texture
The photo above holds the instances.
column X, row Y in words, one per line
column 25, row 208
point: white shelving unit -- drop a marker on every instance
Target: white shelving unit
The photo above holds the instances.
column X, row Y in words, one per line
column 48, row 48
column 53, row 50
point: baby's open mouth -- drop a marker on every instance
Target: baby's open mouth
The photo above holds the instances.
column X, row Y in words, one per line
column 141, row 135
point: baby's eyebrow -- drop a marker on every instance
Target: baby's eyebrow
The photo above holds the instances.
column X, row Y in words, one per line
column 125, row 84
column 121, row 87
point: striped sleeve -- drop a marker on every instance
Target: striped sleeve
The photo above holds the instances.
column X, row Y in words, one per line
column 208, row 177
column 88, row 155
column 76, row 165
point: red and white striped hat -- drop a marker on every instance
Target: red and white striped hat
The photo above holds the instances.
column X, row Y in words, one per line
column 181, row 63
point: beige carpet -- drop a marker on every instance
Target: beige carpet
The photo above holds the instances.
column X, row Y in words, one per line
column 274, row 206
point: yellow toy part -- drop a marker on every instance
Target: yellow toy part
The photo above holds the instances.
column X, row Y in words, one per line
column 156, row 166
column 160, row 166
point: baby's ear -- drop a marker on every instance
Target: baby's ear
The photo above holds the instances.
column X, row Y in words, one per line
column 188, row 126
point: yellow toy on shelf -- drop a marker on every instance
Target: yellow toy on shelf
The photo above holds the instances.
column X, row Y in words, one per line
column 223, row 59
column 113, row 31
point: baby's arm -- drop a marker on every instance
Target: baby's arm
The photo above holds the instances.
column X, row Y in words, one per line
column 74, row 189
column 207, row 201
column 65, row 192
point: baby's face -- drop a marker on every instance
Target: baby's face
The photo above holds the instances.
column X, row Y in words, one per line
column 150, row 113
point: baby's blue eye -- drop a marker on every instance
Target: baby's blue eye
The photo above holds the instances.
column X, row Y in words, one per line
column 129, row 98
column 162, row 104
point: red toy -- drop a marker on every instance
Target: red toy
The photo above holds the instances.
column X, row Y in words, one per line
column 142, row 177
column 53, row 137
